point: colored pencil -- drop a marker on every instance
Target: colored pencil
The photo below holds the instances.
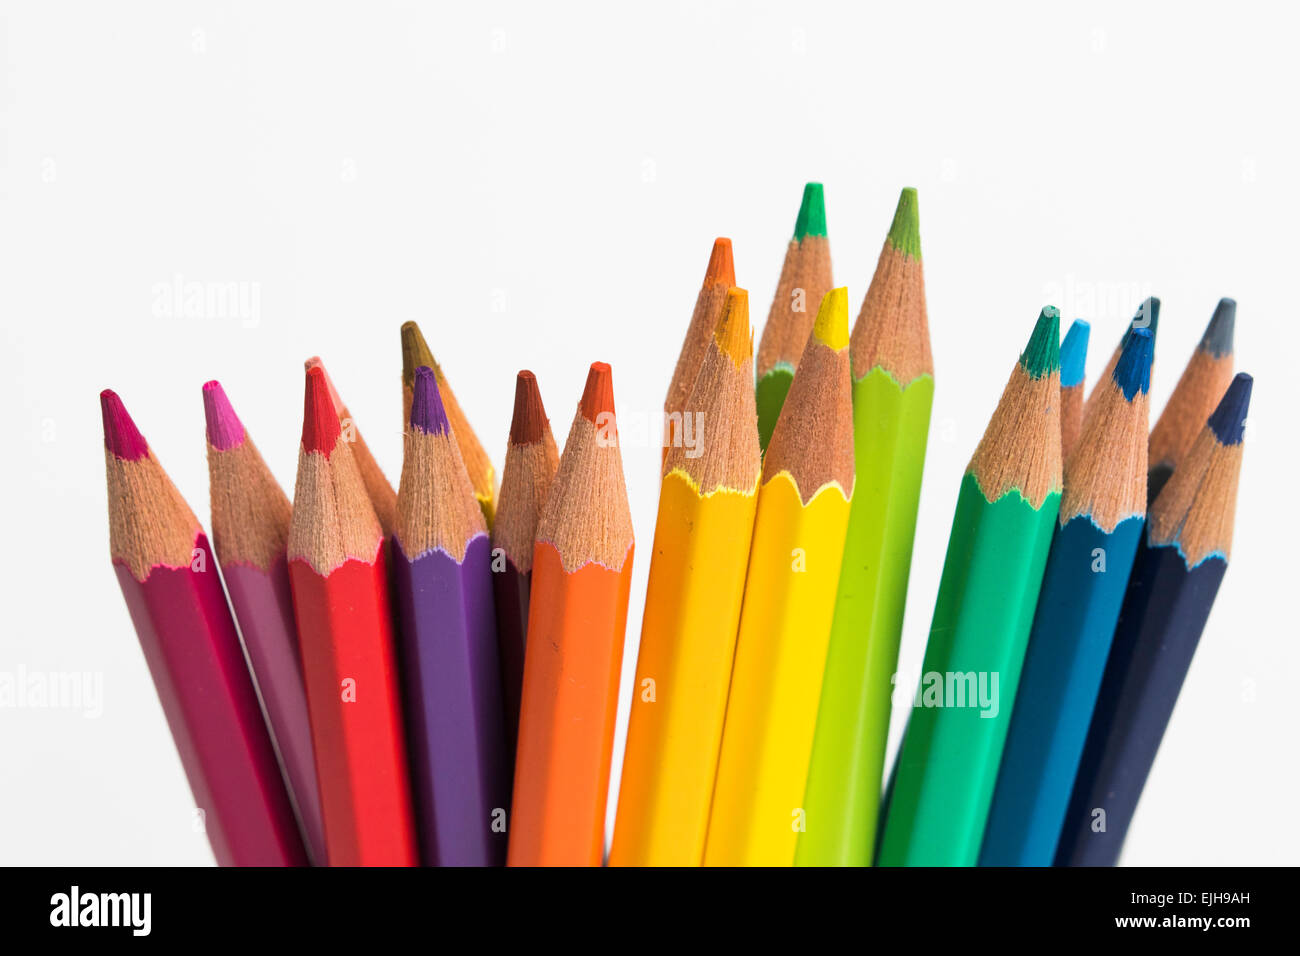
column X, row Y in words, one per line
column 160, row 556
column 378, row 488
column 1176, row 576
column 338, row 574
column 718, row 278
column 1001, row 531
column 250, row 532
column 531, row 460
column 688, row 635
column 893, row 388
column 452, row 677
column 1074, row 358
column 785, row 621
column 416, row 353
column 1203, row 382
column 1102, row 514
column 805, row 280
column 1146, row 317
column 582, row 570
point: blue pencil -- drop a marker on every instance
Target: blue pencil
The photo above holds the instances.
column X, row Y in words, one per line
column 1176, row 576
column 1102, row 514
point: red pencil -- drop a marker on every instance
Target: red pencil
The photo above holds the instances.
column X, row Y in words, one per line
column 172, row 589
column 345, row 629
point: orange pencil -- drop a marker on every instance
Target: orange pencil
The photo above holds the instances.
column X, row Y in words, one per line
column 582, row 569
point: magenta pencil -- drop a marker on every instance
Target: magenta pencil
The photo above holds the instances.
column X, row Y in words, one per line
column 173, row 592
column 250, row 531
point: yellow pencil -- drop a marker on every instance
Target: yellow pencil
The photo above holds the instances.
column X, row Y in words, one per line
column 794, row 570
column 697, row 584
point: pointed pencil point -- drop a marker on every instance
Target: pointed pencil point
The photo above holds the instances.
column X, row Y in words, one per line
column 1042, row 355
column 832, row 325
column 528, row 423
column 320, row 421
column 1133, row 370
column 734, row 336
column 335, row 400
column 812, row 213
column 1074, row 354
column 1217, row 340
column 722, row 267
column 598, row 396
column 1228, row 422
column 1146, row 317
column 225, row 430
column 121, row 437
column 427, row 413
column 415, row 352
column 905, row 233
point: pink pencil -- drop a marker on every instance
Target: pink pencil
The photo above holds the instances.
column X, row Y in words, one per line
column 173, row 591
column 250, row 530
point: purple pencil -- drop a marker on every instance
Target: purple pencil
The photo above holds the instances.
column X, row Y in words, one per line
column 250, row 528
column 451, row 675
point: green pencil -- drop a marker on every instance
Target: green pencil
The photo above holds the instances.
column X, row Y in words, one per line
column 1006, row 514
column 805, row 279
column 893, row 388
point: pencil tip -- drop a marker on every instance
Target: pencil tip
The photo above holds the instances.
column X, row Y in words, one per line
column 1217, row 340
column 427, row 413
column 121, row 437
column 812, row 213
column 1228, row 422
column 315, row 362
column 722, row 267
column 225, row 430
column 1074, row 353
column 1146, row 317
column 832, row 325
column 415, row 353
column 1133, row 370
column 1042, row 355
column 598, row 396
column 905, row 233
column 528, row 423
column 320, row 420
column 734, row 337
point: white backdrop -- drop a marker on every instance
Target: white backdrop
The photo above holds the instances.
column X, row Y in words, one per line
column 540, row 188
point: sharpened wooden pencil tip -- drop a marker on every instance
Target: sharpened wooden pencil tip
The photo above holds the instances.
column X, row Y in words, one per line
column 528, row 423
column 315, row 362
column 832, row 325
column 415, row 352
column 121, row 437
column 427, row 413
column 722, row 267
column 1042, row 355
column 1146, row 317
column 1074, row 353
column 1229, row 420
column 225, row 430
column 1133, row 370
column 320, row 421
column 905, row 233
column 1217, row 340
column 598, row 396
column 734, row 337
column 812, row 213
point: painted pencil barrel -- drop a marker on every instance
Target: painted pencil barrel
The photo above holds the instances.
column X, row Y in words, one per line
column 207, row 695
column 567, row 711
column 776, row 681
column 844, row 776
column 510, row 587
column 264, row 608
column 454, row 717
column 948, row 764
column 356, row 716
column 1071, row 637
column 1160, row 625
column 679, row 698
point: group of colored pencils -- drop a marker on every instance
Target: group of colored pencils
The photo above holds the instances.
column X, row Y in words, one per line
column 430, row 675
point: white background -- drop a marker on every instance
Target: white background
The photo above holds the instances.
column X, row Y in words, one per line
column 540, row 188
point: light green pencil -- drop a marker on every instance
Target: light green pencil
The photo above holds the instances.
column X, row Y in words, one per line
column 805, row 279
column 893, row 388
